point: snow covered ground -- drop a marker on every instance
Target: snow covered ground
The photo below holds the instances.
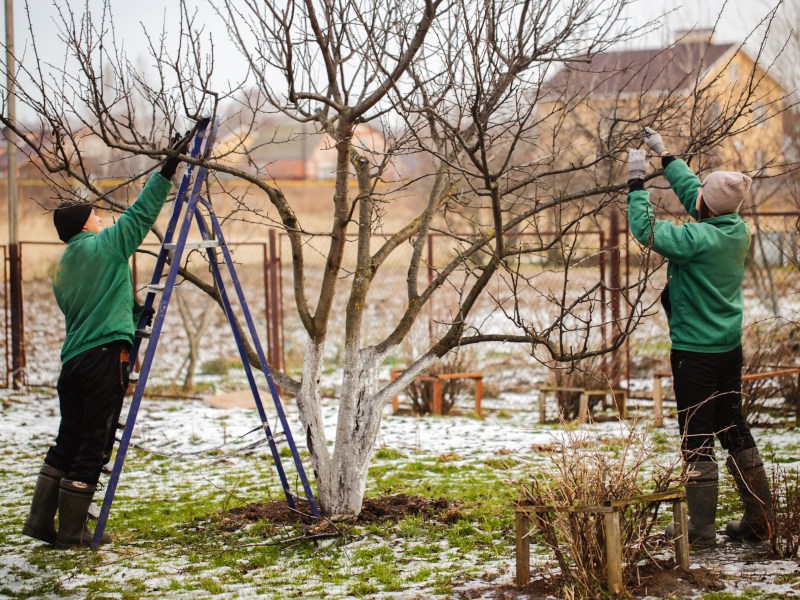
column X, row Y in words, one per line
column 181, row 429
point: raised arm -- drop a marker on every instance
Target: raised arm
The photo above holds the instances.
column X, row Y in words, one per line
column 128, row 233
column 681, row 178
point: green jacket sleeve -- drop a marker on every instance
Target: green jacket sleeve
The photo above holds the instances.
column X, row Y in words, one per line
column 128, row 233
column 684, row 183
column 678, row 243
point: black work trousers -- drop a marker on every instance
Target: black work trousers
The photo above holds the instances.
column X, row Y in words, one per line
column 91, row 389
column 708, row 390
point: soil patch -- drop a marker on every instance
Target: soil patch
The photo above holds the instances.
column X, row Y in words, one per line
column 659, row 580
column 374, row 510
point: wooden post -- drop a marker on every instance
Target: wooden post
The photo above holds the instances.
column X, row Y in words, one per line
column 583, row 408
column 522, row 528
column 437, row 397
column 542, row 407
column 797, row 405
column 621, row 402
column 680, row 522
column 658, row 402
column 478, row 396
column 613, row 552
column 395, row 400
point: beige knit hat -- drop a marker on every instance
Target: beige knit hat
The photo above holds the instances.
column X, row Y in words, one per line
column 724, row 191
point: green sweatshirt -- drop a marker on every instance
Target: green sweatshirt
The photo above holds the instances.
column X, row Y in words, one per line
column 92, row 283
column 706, row 266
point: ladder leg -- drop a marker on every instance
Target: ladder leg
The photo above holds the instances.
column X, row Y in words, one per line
column 262, row 360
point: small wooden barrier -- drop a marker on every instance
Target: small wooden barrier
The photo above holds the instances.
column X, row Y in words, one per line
column 611, row 515
column 658, row 390
column 620, row 397
column 437, row 380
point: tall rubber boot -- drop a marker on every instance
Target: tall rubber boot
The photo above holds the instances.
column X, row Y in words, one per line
column 40, row 521
column 758, row 521
column 702, row 492
column 74, row 498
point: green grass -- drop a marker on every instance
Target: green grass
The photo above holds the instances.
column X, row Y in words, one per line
column 171, row 539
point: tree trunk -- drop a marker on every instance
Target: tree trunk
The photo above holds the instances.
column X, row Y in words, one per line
column 341, row 477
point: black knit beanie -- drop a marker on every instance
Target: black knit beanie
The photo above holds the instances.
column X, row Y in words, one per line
column 70, row 217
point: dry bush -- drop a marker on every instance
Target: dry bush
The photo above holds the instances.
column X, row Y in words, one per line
column 421, row 392
column 770, row 346
column 589, row 374
column 786, row 498
column 588, row 472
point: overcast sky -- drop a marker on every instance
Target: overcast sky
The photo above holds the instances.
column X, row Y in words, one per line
column 737, row 18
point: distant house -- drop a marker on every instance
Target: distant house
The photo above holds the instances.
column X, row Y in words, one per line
column 702, row 82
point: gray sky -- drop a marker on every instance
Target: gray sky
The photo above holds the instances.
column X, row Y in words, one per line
column 738, row 17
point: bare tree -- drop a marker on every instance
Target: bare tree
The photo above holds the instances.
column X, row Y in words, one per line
column 460, row 86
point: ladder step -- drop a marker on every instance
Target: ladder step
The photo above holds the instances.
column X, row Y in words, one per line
column 143, row 333
column 94, row 511
column 190, row 245
column 155, row 287
column 133, row 377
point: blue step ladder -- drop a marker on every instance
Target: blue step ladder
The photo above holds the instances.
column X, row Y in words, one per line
column 188, row 208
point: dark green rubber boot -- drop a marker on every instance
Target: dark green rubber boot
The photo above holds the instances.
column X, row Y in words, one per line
column 40, row 521
column 758, row 521
column 74, row 499
column 702, row 492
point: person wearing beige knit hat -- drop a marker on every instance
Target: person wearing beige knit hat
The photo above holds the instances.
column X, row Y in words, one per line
column 704, row 306
column 724, row 191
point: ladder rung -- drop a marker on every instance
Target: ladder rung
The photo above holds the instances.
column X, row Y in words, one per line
column 133, row 377
column 155, row 287
column 94, row 511
column 143, row 333
column 194, row 244
column 105, row 470
column 121, row 425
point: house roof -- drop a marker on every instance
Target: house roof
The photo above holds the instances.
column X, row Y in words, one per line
column 636, row 71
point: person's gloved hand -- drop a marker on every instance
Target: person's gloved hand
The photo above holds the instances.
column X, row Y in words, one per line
column 178, row 144
column 147, row 314
column 654, row 141
column 637, row 164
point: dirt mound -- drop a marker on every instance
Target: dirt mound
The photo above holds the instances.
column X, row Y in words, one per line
column 374, row 510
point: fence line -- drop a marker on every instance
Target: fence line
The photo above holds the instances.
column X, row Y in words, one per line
column 770, row 290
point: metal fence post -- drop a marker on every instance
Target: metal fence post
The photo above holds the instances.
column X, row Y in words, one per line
column 615, row 284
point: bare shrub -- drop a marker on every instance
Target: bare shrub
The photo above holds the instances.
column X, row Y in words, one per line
column 786, row 499
column 769, row 346
column 589, row 374
column 420, row 392
column 588, row 472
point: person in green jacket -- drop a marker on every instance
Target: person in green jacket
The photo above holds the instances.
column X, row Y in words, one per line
column 703, row 303
column 93, row 288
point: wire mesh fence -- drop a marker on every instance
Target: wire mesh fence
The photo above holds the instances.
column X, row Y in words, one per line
column 549, row 273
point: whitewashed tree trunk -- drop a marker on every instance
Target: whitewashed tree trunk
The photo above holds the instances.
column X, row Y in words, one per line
column 342, row 475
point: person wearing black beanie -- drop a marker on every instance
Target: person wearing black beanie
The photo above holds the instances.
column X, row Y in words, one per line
column 93, row 287
column 70, row 217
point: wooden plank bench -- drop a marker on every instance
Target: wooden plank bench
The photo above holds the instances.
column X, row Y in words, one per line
column 620, row 397
column 658, row 390
column 437, row 380
column 611, row 511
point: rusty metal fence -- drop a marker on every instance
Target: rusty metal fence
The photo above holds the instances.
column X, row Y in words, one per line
column 197, row 326
column 605, row 254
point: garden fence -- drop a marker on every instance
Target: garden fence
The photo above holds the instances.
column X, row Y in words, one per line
column 605, row 254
